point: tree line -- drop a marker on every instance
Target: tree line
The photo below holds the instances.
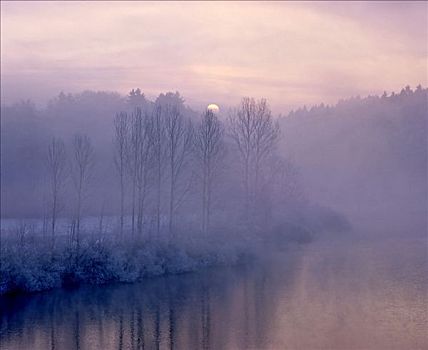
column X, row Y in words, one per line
column 164, row 158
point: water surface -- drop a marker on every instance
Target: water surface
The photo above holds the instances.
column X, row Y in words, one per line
column 331, row 294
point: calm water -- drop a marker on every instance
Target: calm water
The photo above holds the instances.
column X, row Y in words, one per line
column 341, row 295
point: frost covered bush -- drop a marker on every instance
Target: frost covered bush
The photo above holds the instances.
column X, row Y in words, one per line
column 27, row 269
column 31, row 266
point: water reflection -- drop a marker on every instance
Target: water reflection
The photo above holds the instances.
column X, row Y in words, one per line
column 325, row 295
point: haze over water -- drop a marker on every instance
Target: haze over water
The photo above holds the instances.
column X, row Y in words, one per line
column 214, row 175
column 349, row 294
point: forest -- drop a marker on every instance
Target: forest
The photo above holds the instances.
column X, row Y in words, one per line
column 97, row 187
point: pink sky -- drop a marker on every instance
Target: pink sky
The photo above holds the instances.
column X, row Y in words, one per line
column 290, row 53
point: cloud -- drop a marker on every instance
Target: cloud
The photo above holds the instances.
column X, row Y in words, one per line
column 291, row 53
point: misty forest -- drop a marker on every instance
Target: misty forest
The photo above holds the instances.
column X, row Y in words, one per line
column 142, row 220
column 152, row 188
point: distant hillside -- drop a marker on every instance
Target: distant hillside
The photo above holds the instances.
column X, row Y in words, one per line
column 365, row 155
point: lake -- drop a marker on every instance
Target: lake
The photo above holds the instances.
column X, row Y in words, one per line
column 338, row 293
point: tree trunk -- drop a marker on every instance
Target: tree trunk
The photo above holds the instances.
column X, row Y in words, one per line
column 122, row 202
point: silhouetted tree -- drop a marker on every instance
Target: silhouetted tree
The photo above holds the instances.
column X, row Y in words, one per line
column 82, row 172
column 178, row 137
column 139, row 161
column 136, row 98
column 209, row 149
column 158, row 146
column 56, row 162
column 121, row 128
column 241, row 130
column 254, row 133
column 266, row 132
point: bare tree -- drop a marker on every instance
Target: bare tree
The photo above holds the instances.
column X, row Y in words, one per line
column 266, row 132
column 242, row 129
column 255, row 134
column 83, row 165
column 158, row 146
column 139, row 163
column 209, row 149
column 178, row 133
column 144, row 164
column 133, row 166
column 133, row 157
column 56, row 162
column 121, row 128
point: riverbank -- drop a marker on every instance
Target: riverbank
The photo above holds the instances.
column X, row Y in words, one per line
column 30, row 264
column 345, row 292
column 33, row 266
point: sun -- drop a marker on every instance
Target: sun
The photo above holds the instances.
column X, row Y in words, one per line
column 213, row 108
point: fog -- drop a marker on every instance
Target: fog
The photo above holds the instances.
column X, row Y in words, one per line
column 357, row 156
column 100, row 168
column 209, row 175
column 366, row 157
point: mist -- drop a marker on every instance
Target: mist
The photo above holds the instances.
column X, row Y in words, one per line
column 358, row 156
column 98, row 165
column 213, row 175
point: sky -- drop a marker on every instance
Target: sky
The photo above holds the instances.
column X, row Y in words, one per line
column 292, row 53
